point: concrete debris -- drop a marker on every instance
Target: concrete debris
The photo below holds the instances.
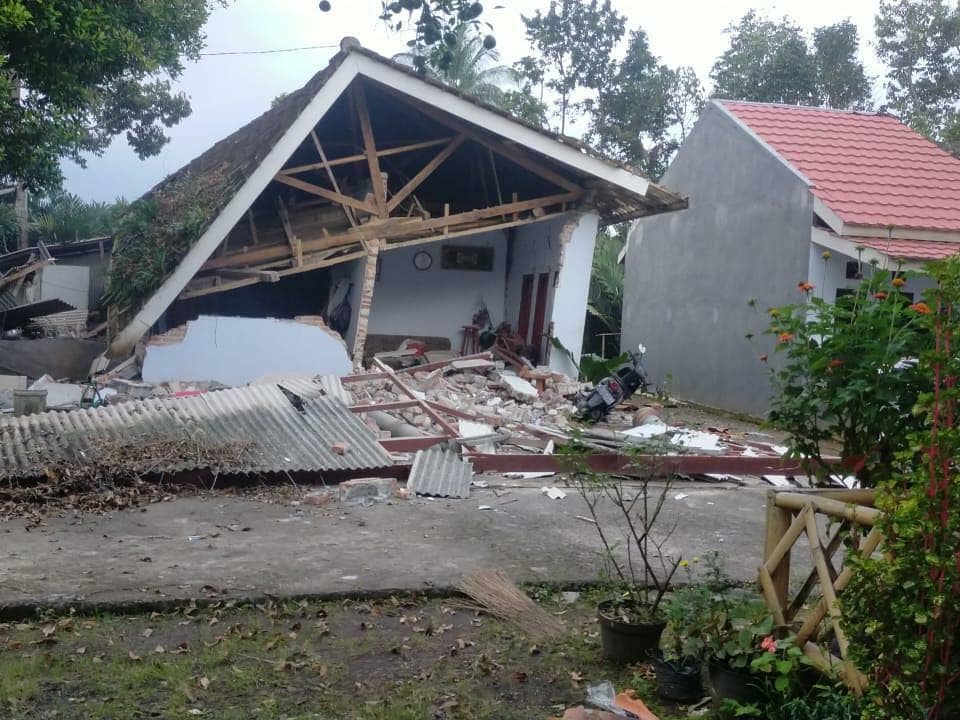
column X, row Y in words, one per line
column 528, row 475
column 554, row 493
column 59, row 395
column 366, row 491
column 519, row 388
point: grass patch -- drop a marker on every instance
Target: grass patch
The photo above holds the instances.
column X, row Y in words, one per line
column 397, row 659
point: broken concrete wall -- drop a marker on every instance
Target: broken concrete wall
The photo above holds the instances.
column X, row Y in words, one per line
column 437, row 301
column 235, row 351
column 569, row 310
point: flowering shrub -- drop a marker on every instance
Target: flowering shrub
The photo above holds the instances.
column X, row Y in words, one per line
column 902, row 609
column 844, row 375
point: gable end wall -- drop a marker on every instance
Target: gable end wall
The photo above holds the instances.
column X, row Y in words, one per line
column 690, row 275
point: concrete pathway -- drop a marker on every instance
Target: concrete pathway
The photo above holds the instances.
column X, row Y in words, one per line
column 225, row 546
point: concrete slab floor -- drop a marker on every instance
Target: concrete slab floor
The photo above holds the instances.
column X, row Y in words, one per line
column 225, row 546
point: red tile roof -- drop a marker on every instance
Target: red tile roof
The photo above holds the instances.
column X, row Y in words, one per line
column 909, row 249
column 869, row 169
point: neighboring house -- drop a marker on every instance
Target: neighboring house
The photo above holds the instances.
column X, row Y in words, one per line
column 417, row 204
column 773, row 188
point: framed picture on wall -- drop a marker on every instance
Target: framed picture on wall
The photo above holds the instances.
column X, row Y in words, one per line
column 466, row 257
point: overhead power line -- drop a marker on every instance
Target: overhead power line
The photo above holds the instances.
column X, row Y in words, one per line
column 268, row 52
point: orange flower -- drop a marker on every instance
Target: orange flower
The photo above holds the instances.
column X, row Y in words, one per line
column 881, row 295
column 835, row 363
column 922, row 308
column 784, row 337
column 805, row 285
column 898, row 282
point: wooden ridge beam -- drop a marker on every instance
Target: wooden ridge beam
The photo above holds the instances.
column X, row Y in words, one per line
column 330, row 195
column 386, row 152
column 426, row 172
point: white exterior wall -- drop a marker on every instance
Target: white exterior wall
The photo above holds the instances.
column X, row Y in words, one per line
column 568, row 313
column 830, row 275
column 68, row 283
column 435, row 302
column 536, row 249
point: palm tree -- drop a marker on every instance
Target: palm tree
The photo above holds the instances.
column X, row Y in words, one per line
column 465, row 62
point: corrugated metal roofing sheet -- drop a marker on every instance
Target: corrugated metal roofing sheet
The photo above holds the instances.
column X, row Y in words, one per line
column 870, row 169
column 274, row 435
column 440, row 473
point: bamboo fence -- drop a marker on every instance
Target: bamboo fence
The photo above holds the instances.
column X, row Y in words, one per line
column 792, row 515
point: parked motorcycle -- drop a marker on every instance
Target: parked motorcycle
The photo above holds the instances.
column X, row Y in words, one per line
column 593, row 405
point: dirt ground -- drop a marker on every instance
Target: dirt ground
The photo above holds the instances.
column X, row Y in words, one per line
column 402, row 658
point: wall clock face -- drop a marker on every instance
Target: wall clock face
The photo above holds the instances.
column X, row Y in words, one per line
column 422, row 260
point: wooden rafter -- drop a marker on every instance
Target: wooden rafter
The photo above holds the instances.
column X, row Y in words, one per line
column 426, row 172
column 296, row 246
column 264, row 275
column 330, row 195
column 330, row 176
column 470, row 221
column 511, row 152
column 370, row 149
column 386, row 152
column 310, row 263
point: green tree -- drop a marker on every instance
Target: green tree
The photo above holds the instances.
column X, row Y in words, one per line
column 75, row 74
column 842, row 81
column 465, row 64
column 574, row 40
column 771, row 61
column 641, row 114
column 919, row 40
column 434, row 23
column 63, row 217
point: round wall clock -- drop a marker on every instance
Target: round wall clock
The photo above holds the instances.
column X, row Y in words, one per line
column 422, row 260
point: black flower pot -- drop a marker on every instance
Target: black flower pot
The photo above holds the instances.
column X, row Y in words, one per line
column 731, row 684
column 624, row 642
column 677, row 681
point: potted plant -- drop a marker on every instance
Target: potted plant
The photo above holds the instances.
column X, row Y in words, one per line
column 677, row 667
column 636, row 563
column 740, row 630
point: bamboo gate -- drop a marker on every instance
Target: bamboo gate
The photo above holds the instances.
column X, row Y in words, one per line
column 824, row 518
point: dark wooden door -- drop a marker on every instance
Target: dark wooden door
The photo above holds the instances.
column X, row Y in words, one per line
column 540, row 312
column 526, row 302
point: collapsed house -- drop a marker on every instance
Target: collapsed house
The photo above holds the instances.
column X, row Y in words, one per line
column 391, row 206
column 49, row 295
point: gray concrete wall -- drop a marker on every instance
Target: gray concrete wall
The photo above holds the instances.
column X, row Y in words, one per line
column 690, row 275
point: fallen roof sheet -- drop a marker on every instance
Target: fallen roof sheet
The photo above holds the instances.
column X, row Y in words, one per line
column 271, row 435
column 21, row 314
column 440, row 473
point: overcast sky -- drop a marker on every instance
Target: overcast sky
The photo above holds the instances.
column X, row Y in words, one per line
column 227, row 91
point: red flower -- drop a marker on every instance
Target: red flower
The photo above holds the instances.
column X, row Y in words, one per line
column 769, row 644
column 880, row 295
column 784, row 337
column 835, row 363
column 805, row 285
column 922, row 308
